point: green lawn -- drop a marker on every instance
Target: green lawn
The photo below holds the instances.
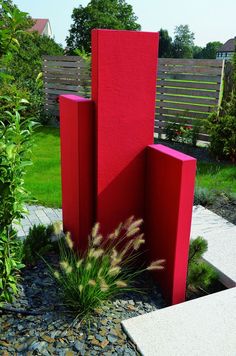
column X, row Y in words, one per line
column 43, row 178
column 216, row 176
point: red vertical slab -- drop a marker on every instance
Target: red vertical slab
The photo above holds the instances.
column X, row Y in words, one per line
column 169, row 201
column 124, row 68
column 77, row 166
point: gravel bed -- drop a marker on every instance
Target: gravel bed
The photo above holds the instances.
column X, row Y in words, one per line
column 56, row 332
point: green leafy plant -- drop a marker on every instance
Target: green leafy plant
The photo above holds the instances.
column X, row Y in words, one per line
column 15, row 146
column 221, row 125
column 104, row 270
column 180, row 132
column 204, row 196
column 37, row 243
column 200, row 274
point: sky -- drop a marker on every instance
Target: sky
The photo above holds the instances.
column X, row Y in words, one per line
column 209, row 20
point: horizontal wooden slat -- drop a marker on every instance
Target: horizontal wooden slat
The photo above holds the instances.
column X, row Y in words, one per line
column 60, row 70
column 62, row 58
column 192, row 62
column 189, row 69
column 184, row 91
column 181, row 84
column 61, row 81
column 190, row 121
column 62, row 86
column 60, row 76
column 185, row 99
column 65, row 64
column 182, row 113
column 58, row 92
column 185, row 106
column 190, row 77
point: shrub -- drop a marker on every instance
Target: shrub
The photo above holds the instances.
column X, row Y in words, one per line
column 104, row 270
column 222, row 131
column 200, row 274
column 204, row 196
column 37, row 243
column 182, row 133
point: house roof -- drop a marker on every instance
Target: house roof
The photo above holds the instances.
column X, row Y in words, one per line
column 229, row 46
column 39, row 25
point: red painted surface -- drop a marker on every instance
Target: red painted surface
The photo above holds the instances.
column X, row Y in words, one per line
column 169, row 201
column 77, row 164
column 124, row 66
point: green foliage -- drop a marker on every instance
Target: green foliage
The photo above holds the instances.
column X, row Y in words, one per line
column 109, row 14
column 183, row 42
column 200, row 274
column 222, row 126
column 222, row 131
column 204, row 196
column 15, row 146
column 105, row 270
column 208, row 52
column 175, row 131
column 165, row 44
column 37, row 243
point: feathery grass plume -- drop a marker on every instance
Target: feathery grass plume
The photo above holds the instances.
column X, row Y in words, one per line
column 57, row 227
column 79, row 263
column 95, row 230
column 98, row 253
column 128, row 222
column 69, row 242
column 114, row 271
column 156, row 265
column 104, row 286
column 118, row 230
column 121, row 284
column 135, row 224
column 69, row 269
column 132, row 232
column 114, row 254
column 81, row 287
column 56, row 274
column 97, row 240
column 92, row 282
column 116, row 261
column 138, row 242
column 64, row 265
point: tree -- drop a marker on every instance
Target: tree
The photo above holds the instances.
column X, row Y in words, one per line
column 184, row 42
column 165, row 44
column 209, row 52
column 110, row 14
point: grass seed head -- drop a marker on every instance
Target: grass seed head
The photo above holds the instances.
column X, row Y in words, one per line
column 121, row 284
column 92, row 282
column 57, row 227
column 95, row 230
column 113, row 271
column 156, row 265
column 69, row 241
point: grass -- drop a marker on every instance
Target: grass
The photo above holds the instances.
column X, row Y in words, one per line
column 43, row 178
column 216, row 176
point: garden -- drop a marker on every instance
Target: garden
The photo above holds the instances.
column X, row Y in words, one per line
column 55, row 299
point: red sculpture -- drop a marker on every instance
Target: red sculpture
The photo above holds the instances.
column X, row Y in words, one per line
column 109, row 171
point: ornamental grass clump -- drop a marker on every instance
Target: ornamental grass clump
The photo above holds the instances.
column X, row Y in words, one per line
column 106, row 269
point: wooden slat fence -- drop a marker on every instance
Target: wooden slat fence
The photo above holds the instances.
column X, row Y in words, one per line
column 187, row 91
column 64, row 75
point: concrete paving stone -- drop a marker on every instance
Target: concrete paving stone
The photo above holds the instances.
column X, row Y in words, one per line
column 221, row 237
column 202, row 327
column 204, row 221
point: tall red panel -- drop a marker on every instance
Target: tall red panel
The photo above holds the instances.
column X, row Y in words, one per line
column 169, row 201
column 77, row 166
column 124, row 67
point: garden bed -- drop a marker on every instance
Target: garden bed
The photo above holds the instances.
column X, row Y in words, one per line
column 54, row 331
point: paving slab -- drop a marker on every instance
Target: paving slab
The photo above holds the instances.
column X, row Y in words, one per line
column 202, row 327
column 221, row 237
column 37, row 215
